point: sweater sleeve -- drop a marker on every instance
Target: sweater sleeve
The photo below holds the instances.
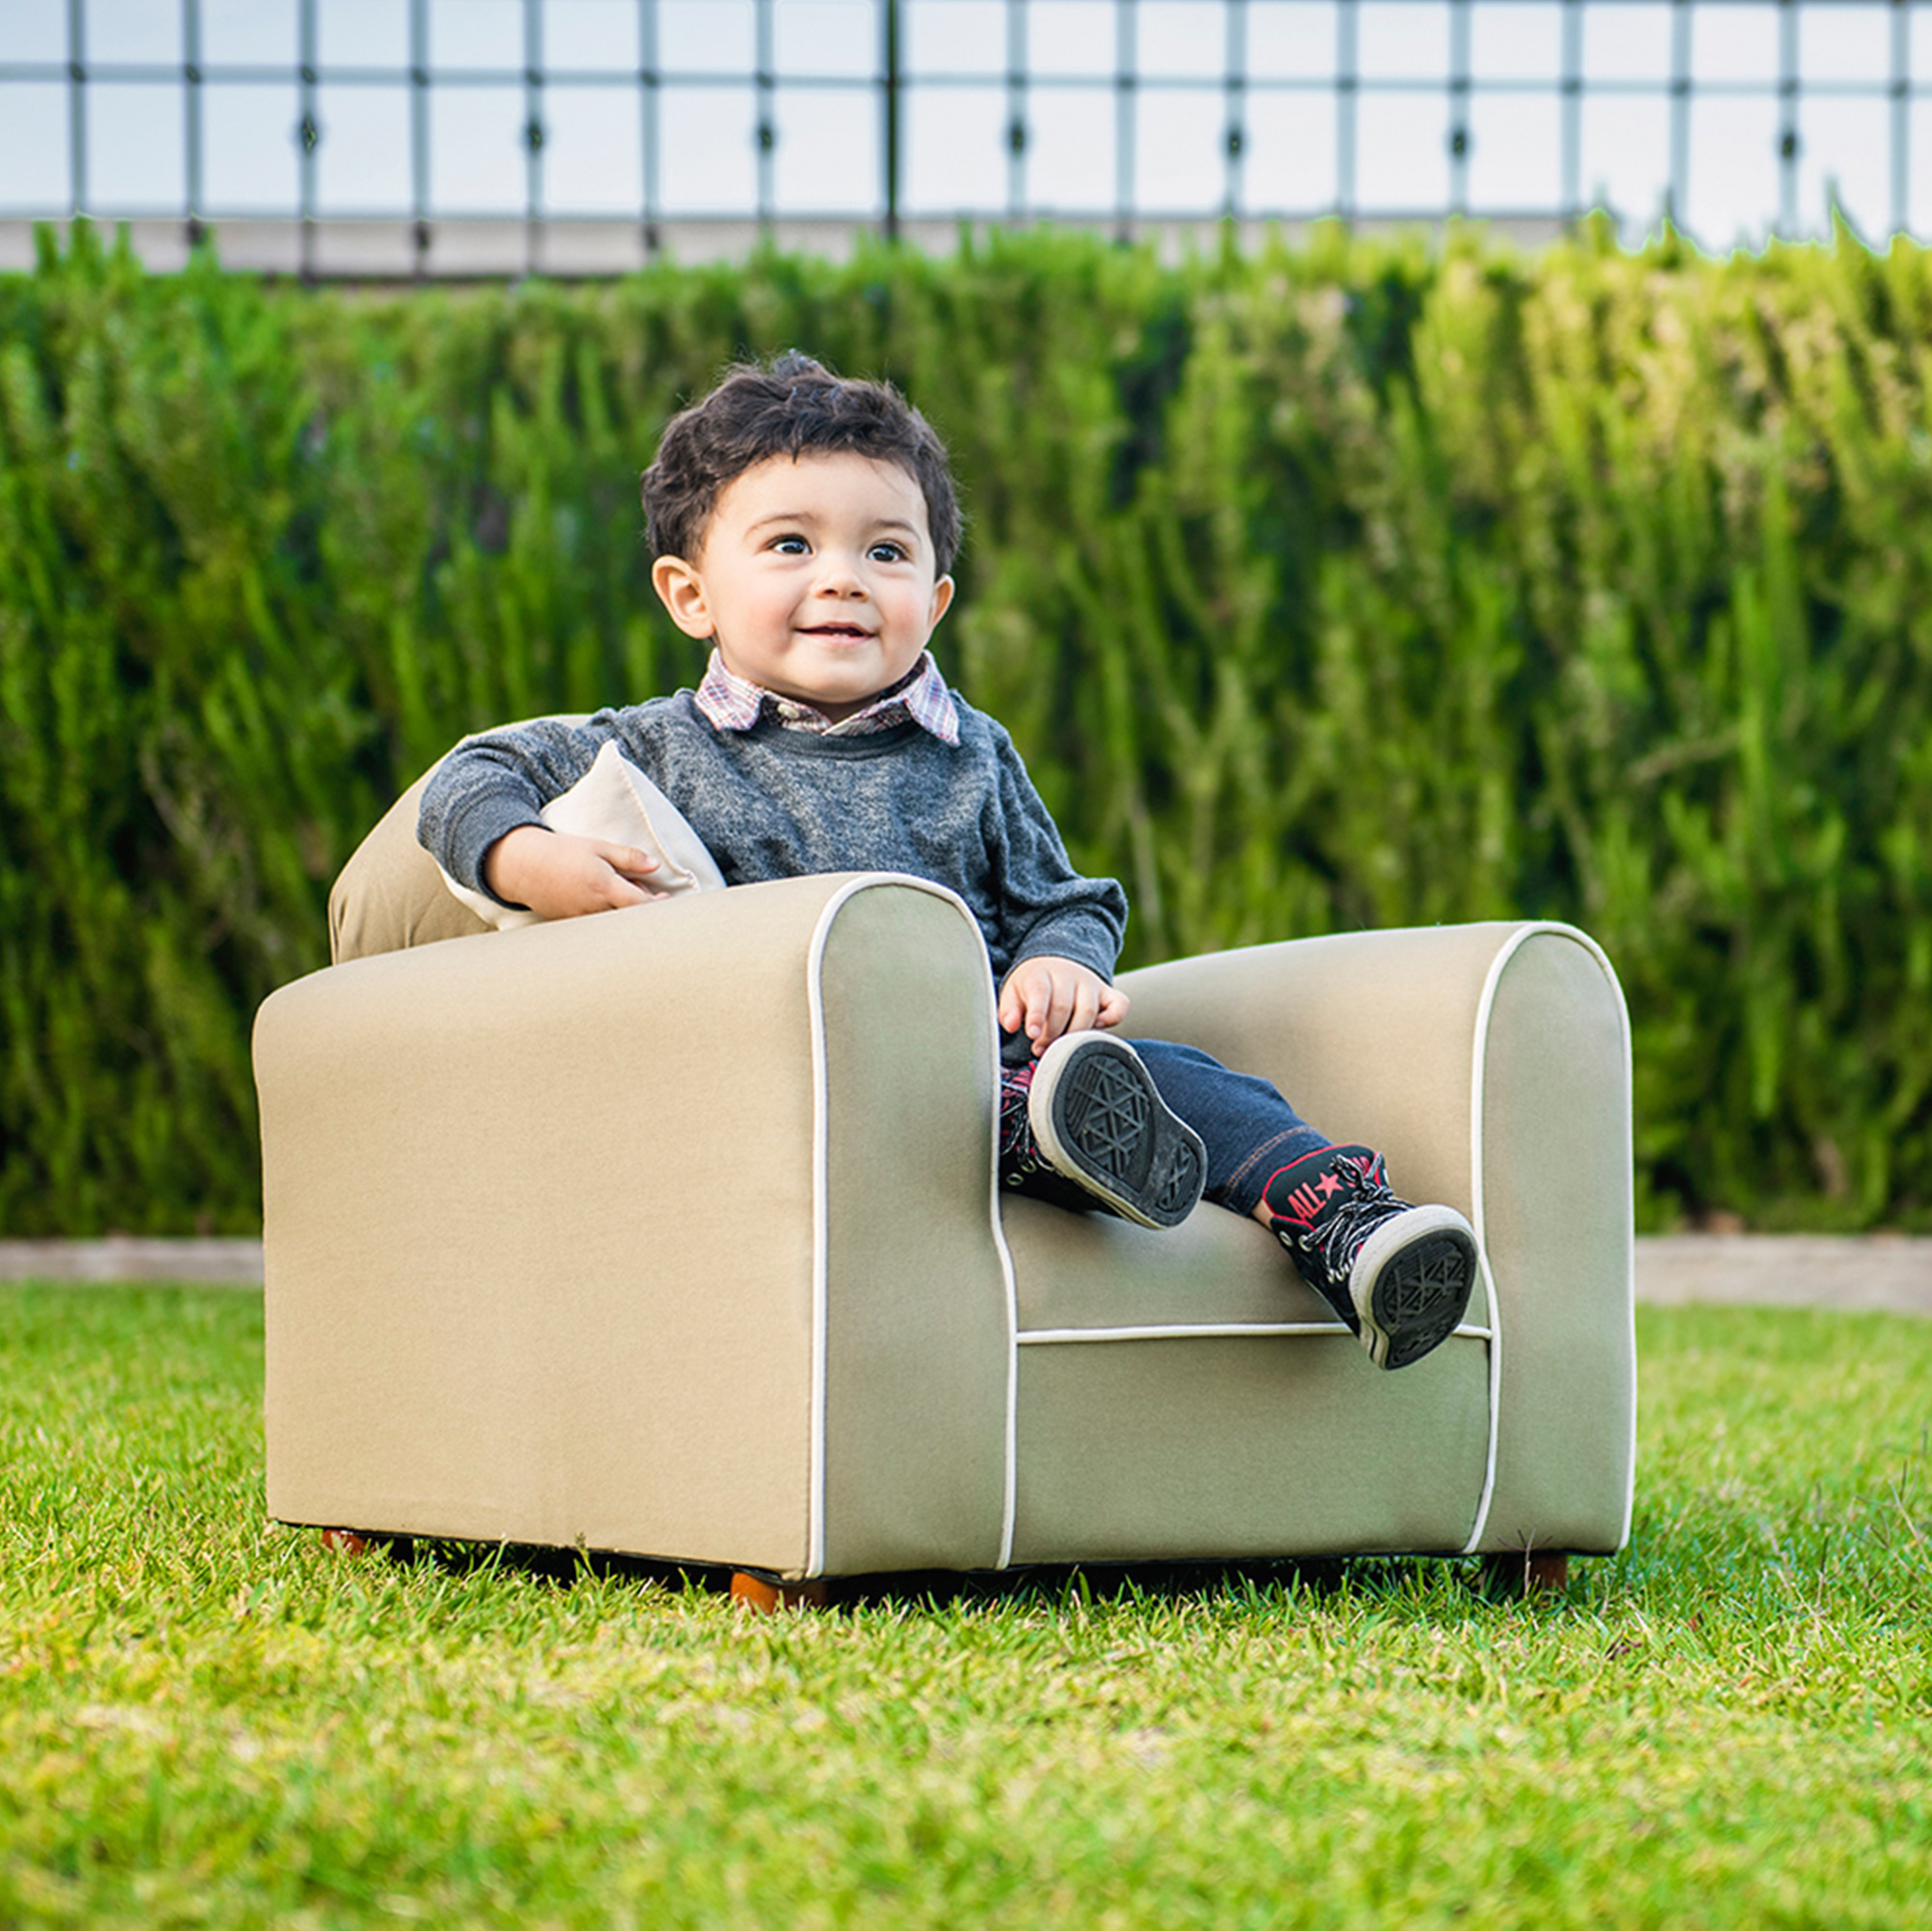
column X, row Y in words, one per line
column 497, row 780
column 1046, row 905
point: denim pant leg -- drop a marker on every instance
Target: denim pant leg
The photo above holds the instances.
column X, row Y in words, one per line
column 1248, row 1128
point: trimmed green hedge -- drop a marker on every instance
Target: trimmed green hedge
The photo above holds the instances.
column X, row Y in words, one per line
column 1355, row 585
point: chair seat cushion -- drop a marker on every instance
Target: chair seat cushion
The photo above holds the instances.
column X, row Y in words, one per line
column 1082, row 1273
column 1180, row 1393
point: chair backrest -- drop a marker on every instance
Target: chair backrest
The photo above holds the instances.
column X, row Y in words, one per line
column 390, row 895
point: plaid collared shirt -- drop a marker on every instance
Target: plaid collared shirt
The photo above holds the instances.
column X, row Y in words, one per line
column 733, row 703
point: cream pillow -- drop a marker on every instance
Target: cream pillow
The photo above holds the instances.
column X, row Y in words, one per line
column 615, row 801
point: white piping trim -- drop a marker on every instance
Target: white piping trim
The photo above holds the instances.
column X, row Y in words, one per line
column 1630, row 1277
column 814, row 1447
column 1010, row 1503
column 1009, row 1516
column 815, row 1003
column 1480, row 1045
column 1214, row 1330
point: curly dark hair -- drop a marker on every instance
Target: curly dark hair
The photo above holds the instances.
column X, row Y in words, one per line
column 795, row 406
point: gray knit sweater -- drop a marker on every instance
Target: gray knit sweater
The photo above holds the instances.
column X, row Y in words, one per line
column 773, row 803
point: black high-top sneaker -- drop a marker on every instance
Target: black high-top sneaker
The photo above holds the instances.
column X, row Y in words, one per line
column 1399, row 1276
column 1095, row 1119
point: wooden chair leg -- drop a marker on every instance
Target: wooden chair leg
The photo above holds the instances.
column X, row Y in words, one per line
column 345, row 1542
column 1527, row 1572
column 766, row 1594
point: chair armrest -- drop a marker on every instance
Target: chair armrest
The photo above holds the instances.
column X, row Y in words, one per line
column 1491, row 1064
column 390, row 895
column 669, row 1230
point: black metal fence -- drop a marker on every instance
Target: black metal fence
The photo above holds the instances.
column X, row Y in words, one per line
column 1732, row 116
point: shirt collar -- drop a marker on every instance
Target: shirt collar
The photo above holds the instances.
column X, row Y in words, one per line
column 734, row 702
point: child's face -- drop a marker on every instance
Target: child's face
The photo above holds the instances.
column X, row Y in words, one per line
column 815, row 578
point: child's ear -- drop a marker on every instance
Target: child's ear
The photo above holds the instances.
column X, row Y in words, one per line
column 681, row 592
column 943, row 600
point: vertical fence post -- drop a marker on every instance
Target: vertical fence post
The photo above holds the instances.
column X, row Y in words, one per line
column 76, row 106
column 1459, row 106
column 1677, row 196
column 308, row 137
column 1901, row 118
column 534, row 134
column 648, row 120
column 419, row 133
column 768, row 128
column 191, row 104
column 889, row 80
column 1348, row 87
column 1788, row 142
column 1572, row 112
column 1016, row 110
column 1123, row 78
column 1234, row 136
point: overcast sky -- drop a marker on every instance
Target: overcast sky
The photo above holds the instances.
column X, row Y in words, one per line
column 827, row 156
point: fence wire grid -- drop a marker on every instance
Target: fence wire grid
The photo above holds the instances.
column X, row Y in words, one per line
column 1759, row 114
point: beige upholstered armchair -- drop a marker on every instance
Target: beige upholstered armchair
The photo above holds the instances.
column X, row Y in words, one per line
column 675, row 1231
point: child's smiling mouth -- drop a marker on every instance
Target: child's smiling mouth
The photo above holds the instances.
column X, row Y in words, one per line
column 840, row 633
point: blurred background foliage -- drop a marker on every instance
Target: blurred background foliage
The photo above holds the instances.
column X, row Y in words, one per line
column 1360, row 583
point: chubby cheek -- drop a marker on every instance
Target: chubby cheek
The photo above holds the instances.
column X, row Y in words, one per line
column 908, row 615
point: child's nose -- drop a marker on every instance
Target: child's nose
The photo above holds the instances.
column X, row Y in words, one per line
column 841, row 575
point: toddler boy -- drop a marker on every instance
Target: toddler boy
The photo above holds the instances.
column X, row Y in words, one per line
column 804, row 525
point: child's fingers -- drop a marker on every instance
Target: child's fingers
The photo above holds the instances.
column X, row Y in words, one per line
column 1085, row 1014
column 1026, row 997
column 1053, row 1012
column 1044, row 998
column 1036, row 1012
column 625, row 858
column 620, row 891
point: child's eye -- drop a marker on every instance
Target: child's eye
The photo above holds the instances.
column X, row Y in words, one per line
column 790, row 545
column 888, row 552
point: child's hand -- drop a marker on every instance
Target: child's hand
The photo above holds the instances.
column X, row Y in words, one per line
column 1045, row 996
column 559, row 876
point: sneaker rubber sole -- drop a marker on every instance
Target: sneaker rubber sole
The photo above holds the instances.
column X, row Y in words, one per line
column 1411, row 1283
column 1099, row 1120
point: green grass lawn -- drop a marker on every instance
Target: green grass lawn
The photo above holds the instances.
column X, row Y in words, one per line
column 205, row 1717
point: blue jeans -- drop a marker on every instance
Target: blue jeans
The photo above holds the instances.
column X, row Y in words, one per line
column 1248, row 1130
